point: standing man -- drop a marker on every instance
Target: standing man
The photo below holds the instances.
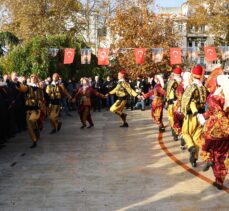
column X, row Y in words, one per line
column 122, row 90
column 193, row 103
column 108, row 86
column 55, row 91
column 97, row 102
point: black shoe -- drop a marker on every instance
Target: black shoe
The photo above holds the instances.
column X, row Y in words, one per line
column 208, row 165
column 125, row 125
column 59, row 126
column 53, row 131
column 175, row 138
column 194, row 164
column 90, row 126
column 83, row 126
column 218, row 186
column 34, row 145
column 161, row 129
column 192, row 151
column 182, row 147
column 182, row 142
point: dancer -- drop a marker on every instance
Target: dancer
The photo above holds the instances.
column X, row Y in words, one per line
column 33, row 100
column 178, row 116
column 86, row 92
column 55, row 91
column 122, row 90
column 173, row 94
column 158, row 102
column 193, row 103
column 216, row 130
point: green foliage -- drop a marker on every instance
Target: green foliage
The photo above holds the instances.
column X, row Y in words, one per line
column 32, row 56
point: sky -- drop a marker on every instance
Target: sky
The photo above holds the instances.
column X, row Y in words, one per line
column 170, row 3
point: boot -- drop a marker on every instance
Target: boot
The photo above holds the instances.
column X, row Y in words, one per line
column 90, row 126
column 123, row 117
column 83, row 126
column 53, row 131
column 192, row 159
column 59, row 126
column 175, row 137
column 124, row 125
column 161, row 129
column 182, row 144
column 208, row 165
column 34, row 145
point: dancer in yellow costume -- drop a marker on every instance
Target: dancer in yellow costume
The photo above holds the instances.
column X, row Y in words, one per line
column 34, row 97
column 171, row 98
column 122, row 90
column 55, row 91
column 193, row 103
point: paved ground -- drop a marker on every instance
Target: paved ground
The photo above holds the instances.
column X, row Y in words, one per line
column 104, row 168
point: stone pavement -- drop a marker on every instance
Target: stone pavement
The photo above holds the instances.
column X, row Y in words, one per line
column 104, row 168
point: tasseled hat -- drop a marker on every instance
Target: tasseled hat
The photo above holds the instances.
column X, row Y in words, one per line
column 197, row 71
column 123, row 72
column 177, row 71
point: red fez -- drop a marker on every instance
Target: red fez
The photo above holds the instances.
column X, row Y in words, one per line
column 177, row 71
column 123, row 72
column 197, row 71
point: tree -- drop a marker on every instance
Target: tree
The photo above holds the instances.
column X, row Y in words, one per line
column 214, row 14
column 136, row 26
column 27, row 19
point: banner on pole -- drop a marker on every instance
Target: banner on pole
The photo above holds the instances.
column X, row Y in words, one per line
column 69, row 55
column 210, row 54
column 192, row 54
column 157, row 54
column 139, row 55
column 175, row 56
column 224, row 50
column 103, row 56
column 86, row 56
column 53, row 52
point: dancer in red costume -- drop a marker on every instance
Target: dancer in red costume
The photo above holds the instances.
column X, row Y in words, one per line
column 85, row 93
column 158, row 102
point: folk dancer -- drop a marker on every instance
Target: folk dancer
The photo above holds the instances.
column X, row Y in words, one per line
column 173, row 94
column 55, row 91
column 216, row 130
column 158, row 102
column 193, row 103
column 85, row 93
column 33, row 100
column 122, row 91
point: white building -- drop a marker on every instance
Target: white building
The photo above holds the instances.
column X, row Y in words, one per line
column 191, row 37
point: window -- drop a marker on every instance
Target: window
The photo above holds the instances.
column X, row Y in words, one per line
column 202, row 29
column 180, row 27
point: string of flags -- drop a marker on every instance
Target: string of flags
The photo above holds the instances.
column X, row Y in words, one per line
column 191, row 53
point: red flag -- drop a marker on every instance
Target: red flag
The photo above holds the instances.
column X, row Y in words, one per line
column 210, row 54
column 139, row 55
column 103, row 56
column 69, row 55
column 175, row 56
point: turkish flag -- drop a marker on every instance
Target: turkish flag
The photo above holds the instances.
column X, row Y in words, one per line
column 139, row 55
column 103, row 56
column 210, row 54
column 175, row 56
column 69, row 55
